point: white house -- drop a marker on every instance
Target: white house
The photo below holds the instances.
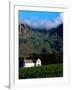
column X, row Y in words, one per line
column 30, row 63
column 38, row 62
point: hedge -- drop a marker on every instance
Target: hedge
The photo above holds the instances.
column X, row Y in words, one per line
column 45, row 71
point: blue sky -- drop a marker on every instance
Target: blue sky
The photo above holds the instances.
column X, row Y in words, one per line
column 40, row 18
column 40, row 15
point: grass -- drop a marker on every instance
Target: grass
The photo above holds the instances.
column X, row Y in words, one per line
column 45, row 71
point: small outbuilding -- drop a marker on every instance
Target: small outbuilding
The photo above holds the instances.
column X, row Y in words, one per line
column 38, row 62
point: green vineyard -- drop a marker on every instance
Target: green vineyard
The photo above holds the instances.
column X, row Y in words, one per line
column 45, row 71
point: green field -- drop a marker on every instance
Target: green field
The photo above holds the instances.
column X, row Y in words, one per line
column 45, row 71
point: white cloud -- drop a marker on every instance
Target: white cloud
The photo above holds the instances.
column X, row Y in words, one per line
column 34, row 24
column 27, row 22
column 47, row 24
column 58, row 20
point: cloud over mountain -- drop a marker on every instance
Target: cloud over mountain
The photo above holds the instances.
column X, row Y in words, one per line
column 44, row 23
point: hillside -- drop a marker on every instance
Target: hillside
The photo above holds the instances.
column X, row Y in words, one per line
column 38, row 41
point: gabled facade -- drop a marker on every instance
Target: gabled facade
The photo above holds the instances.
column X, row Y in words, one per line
column 38, row 62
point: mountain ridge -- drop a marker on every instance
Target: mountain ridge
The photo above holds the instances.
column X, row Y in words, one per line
column 40, row 40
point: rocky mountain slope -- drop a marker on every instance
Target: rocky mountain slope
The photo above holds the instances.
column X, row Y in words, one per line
column 39, row 41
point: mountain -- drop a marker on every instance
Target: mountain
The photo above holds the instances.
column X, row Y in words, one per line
column 39, row 41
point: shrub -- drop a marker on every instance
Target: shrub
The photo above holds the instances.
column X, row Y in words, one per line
column 45, row 71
